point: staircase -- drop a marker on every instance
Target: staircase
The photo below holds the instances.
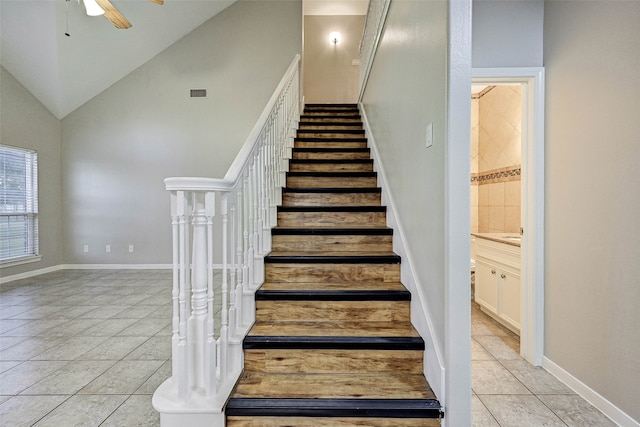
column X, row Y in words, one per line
column 332, row 344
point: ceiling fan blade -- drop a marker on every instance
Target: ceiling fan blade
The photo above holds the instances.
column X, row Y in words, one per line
column 113, row 15
column 157, row 1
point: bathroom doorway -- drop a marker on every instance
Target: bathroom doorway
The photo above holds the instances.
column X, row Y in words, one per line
column 528, row 84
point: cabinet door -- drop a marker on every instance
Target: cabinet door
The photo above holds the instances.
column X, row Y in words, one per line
column 486, row 293
column 510, row 307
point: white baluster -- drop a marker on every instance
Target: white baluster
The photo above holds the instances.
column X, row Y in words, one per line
column 233, row 278
column 210, row 345
column 180, row 367
column 224, row 337
column 196, row 324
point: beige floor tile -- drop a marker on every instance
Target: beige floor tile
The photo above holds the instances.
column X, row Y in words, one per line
column 151, row 385
column 135, row 411
column 536, row 378
column 71, row 349
column 125, row 377
column 478, row 352
column 575, row 411
column 480, row 415
column 82, row 411
column 114, row 348
column 490, row 377
column 70, row 378
column 23, row 376
column 155, row 348
column 500, row 347
column 520, row 411
column 24, row 411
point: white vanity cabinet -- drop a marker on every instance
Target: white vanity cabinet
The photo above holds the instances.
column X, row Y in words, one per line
column 498, row 279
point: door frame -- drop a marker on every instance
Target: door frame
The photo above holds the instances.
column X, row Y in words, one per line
column 532, row 201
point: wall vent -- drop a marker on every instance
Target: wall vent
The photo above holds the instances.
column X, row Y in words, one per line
column 198, row 93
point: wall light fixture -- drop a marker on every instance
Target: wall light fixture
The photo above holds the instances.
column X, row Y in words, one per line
column 334, row 37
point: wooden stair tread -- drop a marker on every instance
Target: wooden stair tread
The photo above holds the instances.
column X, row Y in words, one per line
column 332, row 208
column 333, row 386
column 327, row 257
column 338, row 329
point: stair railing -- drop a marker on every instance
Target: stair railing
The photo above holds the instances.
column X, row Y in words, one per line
column 374, row 23
column 207, row 343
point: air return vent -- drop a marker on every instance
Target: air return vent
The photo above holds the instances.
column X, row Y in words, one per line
column 198, row 93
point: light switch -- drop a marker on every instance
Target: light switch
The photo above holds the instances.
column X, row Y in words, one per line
column 429, row 135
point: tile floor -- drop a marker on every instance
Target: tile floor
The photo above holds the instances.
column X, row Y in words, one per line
column 89, row 348
column 84, row 348
column 509, row 392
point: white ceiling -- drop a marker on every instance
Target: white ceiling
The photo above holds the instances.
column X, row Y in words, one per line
column 65, row 72
column 335, row 7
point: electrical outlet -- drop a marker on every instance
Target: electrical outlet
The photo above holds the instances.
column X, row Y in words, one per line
column 107, row 248
column 130, row 248
column 85, row 248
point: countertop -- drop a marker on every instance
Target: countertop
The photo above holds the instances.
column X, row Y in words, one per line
column 512, row 239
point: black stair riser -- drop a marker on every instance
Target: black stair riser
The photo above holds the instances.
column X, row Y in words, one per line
column 342, row 190
column 334, row 174
column 339, row 131
column 287, row 295
column 357, row 209
column 347, row 124
column 331, row 161
column 332, row 231
column 329, row 139
column 347, row 259
column 331, row 150
column 253, row 342
column 379, row 408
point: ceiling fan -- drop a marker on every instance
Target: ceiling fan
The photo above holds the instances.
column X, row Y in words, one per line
column 100, row 7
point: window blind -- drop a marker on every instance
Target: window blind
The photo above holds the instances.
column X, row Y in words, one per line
column 18, row 203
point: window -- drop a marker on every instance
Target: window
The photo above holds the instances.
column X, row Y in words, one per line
column 18, row 206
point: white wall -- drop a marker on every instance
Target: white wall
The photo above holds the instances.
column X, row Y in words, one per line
column 408, row 88
column 329, row 75
column 26, row 123
column 507, row 33
column 118, row 147
column 592, row 57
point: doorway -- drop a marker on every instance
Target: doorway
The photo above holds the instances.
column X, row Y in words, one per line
column 531, row 87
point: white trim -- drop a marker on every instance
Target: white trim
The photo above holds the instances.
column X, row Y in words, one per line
column 20, row 261
column 434, row 368
column 118, row 266
column 28, row 274
column 369, row 63
column 587, row 393
column 532, row 245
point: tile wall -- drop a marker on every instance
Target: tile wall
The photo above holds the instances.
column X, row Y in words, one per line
column 495, row 160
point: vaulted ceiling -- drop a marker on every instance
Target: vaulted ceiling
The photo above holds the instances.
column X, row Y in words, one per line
column 64, row 72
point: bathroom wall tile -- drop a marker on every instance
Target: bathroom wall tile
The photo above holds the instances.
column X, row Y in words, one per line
column 474, row 195
column 483, row 196
column 518, row 411
column 575, row 411
column 82, row 411
column 490, row 377
column 536, row 378
column 512, row 193
column 512, row 220
column 496, row 194
column 23, row 411
column 496, row 219
column 483, row 219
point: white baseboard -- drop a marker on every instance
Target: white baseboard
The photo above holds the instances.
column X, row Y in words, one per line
column 587, row 393
column 33, row 273
column 28, row 274
column 117, row 266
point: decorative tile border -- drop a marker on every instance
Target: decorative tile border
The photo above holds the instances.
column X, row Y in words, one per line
column 507, row 174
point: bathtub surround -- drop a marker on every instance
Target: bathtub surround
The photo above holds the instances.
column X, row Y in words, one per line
column 495, row 160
